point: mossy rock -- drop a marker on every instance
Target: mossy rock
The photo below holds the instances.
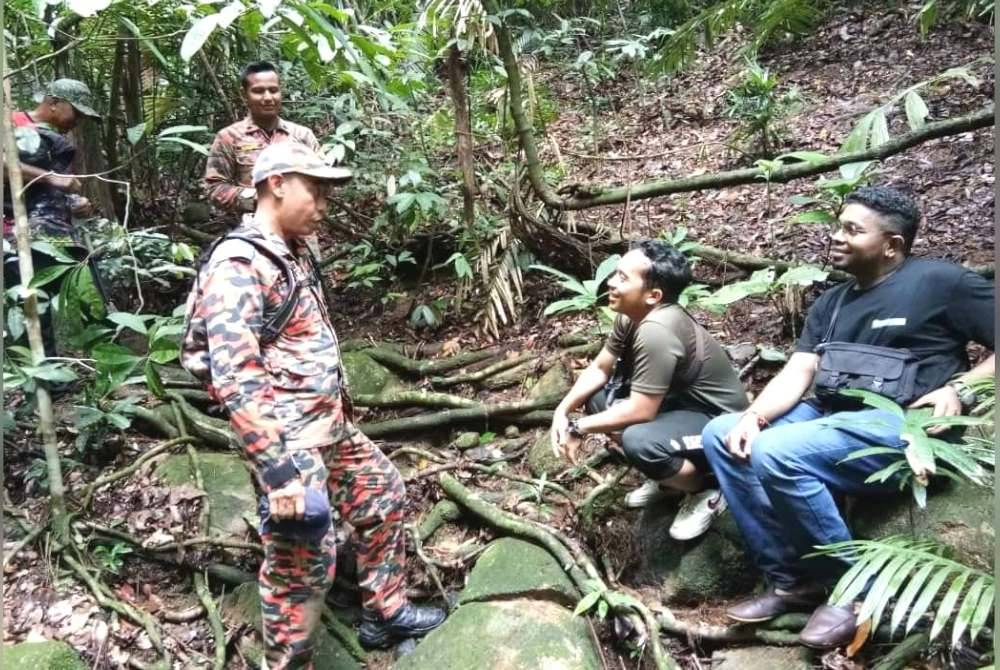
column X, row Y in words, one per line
column 957, row 514
column 242, row 606
column 367, row 376
column 227, row 481
column 712, row 567
column 556, row 383
column 466, row 441
column 507, row 635
column 762, row 658
column 515, row 568
column 541, row 460
column 48, row 655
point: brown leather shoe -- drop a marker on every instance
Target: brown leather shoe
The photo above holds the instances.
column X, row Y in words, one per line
column 769, row 604
column 829, row 627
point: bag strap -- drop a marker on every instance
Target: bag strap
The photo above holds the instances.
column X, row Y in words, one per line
column 276, row 323
column 700, row 344
column 836, row 313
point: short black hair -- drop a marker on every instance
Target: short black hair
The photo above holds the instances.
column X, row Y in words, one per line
column 898, row 211
column 668, row 270
column 255, row 68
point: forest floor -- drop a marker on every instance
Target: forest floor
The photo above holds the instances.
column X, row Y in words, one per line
column 857, row 60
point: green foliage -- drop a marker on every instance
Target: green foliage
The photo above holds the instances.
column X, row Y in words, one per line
column 762, row 283
column 759, row 107
column 924, row 454
column 586, row 293
column 933, row 10
column 912, row 574
column 37, row 474
column 109, row 557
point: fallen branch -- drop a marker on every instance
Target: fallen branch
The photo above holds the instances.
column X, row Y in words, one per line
column 452, row 416
column 539, row 534
column 29, row 537
column 219, row 542
column 415, row 368
column 781, row 631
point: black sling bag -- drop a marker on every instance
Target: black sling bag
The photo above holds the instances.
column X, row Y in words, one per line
column 846, row 365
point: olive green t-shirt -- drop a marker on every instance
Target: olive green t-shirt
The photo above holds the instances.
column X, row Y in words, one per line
column 663, row 351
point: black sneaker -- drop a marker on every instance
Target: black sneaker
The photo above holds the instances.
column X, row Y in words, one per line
column 409, row 621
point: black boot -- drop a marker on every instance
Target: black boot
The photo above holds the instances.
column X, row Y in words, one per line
column 410, row 621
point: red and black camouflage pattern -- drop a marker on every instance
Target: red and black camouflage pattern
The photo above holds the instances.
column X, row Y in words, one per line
column 367, row 492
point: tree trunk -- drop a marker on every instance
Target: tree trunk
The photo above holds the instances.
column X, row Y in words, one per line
column 132, row 95
column 456, row 71
column 46, row 418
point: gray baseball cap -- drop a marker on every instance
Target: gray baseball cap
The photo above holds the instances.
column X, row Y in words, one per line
column 72, row 91
column 292, row 156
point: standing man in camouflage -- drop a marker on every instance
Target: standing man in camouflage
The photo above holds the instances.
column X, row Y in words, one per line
column 236, row 147
column 286, row 393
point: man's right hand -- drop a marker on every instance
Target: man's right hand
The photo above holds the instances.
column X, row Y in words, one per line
column 71, row 184
column 741, row 437
column 559, row 432
column 288, row 502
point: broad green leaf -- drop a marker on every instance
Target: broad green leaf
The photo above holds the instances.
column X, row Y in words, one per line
column 948, row 604
column 136, row 133
column 15, row 322
column 587, row 602
column 606, row 267
column 200, row 148
column 148, row 43
column 109, row 354
column 857, row 139
column 230, row 13
column 49, row 275
column 852, row 171
column 927, row 16
column 181, row 129
column 50, row 372
column 916, row 110
column 87, row 416
column 879, row 133
column 198, row 34
column 118, row 421
column 983, row 610
column 811, row 157
column 802, row 275
column 870, row 569
column 771, row 354
column 871, row 451
column 919, row 494
column 153, row 380
column 52, row 251
column 883, row 475
column 803, row 200
column 128, row 320
column 874, row 400
column 163, row 351
column 901, row 573
column 927, row 595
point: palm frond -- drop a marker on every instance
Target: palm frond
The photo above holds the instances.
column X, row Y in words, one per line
column 501, row 275
column 907, row 576
column 785, row 16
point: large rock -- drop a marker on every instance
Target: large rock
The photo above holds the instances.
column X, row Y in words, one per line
column 541, row 460
column 713, row 566
column 48, row 655
column 958, row 514
column 515, row 568
column 367, row 376
column 506, row 635
column 556, row 382
column 228, row 484
column 242, row 606
column 762, row 658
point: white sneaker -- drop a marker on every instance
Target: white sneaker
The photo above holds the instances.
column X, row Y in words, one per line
column 696, row 513
column 646, row 494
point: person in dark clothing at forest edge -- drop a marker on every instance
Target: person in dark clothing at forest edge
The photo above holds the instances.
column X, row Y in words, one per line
column 781, row 462
column 667, row 376
column 50, row 197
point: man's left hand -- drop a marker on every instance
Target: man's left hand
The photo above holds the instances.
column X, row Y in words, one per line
column 570, row 447
column 945, row 403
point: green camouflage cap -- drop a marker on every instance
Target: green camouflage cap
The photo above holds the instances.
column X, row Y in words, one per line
column 72, row 91
column 291, row 156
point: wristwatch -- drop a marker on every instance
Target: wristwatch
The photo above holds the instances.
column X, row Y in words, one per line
column 966, row 394
column 573, row 428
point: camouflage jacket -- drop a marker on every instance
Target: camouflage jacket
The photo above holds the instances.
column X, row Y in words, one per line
column 282, row 396
column 231, row 158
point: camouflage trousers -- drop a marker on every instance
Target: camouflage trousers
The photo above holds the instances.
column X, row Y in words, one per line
column 367, row 491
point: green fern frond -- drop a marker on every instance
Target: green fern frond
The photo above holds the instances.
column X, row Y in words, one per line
column 906, row 576
column 682, row 46
column 503, row 282
column 786, row 16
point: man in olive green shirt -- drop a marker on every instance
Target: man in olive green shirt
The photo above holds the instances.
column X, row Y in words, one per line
column 658, row 381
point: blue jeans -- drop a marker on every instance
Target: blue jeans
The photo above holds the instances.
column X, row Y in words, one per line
column 783, row 499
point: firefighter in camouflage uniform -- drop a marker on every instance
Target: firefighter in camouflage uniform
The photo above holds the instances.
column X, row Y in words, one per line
column 282, row 381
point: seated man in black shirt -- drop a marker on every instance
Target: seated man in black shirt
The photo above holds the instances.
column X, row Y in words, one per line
column 781, row 462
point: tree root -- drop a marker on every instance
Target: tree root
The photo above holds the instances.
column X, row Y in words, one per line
column 623, row 604
column 781, row 631
column 587, row 506
column 92, row 488
column 29, row 537
column 444, row 511
column 485, row 373
column 418, row 549
column 344, row 633
column 453, row 416
column 218, row 542
column 415, row 368
column 215, row 432
column 214, row 620
column 413, row 399
column 154, row 420
column 107, row 601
